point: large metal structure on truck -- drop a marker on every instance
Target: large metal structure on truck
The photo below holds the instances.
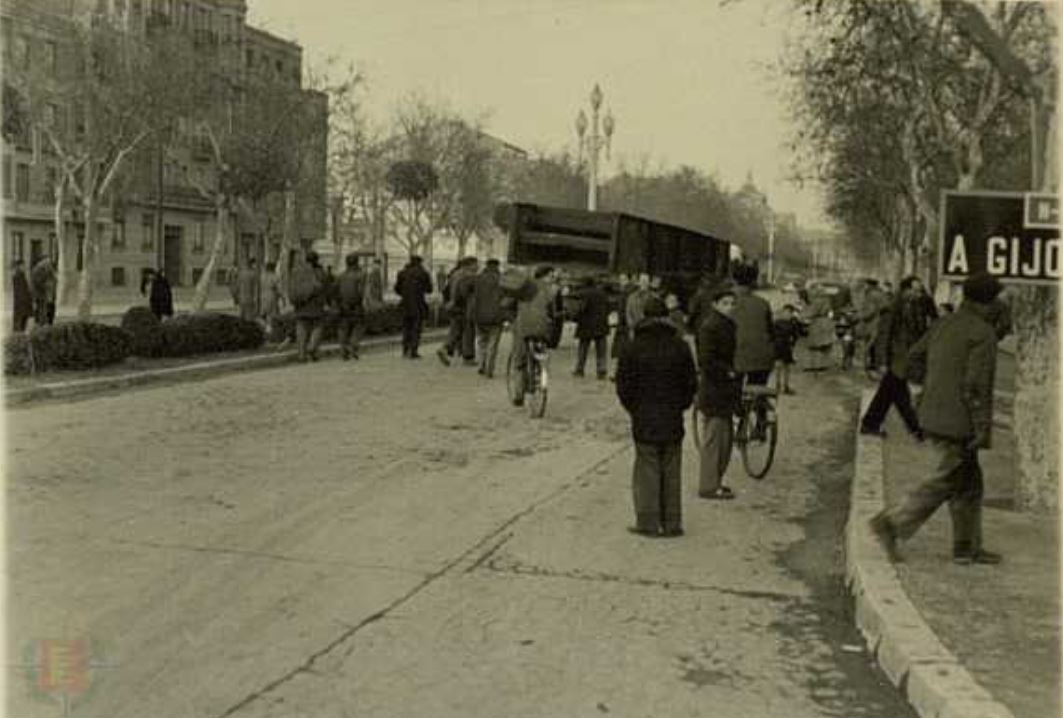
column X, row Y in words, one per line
column 585, row 242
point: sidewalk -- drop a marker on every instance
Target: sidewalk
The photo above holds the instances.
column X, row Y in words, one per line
column 963, row 641
column 1001, row 622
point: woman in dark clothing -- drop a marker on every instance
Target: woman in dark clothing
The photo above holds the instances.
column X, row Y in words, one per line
column 22, row 301
column 161, row 297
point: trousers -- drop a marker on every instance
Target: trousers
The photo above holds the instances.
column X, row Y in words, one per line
column 715, row 433
column 957, row 480
column 487, row 340
column 892, row 391
column 656, row 486
column 601, row 355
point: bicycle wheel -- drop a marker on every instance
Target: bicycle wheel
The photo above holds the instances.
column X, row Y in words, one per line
column 514, row 383
column 758, row 441
column 537, row 385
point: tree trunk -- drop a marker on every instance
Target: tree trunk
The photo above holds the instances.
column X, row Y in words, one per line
column 283, row 269
column 1035, row 314
column 87, row 276
column 62, row 258
column 199, row 301
column 1036, row 411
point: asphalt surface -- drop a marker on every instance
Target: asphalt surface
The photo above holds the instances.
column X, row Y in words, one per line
column 390, row 538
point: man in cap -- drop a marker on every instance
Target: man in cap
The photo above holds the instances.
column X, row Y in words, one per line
column 956, row 414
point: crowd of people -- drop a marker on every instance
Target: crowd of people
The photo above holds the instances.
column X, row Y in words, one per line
column 737, row 341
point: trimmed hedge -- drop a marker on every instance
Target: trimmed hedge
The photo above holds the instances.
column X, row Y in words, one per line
column 145, row 331
column 207, row 332
column 70, row 346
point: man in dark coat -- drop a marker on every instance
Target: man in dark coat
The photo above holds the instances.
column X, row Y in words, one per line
column 718, row 392
column 456, row 295
column 592, row 325
column 656, row 382
column 160, row 298
column 309, row 293
column 905, row 323
column 488, row 315
column 412, row 285
column 22, row 299
column 755, row 350
column 350, row 301
column 956, row 412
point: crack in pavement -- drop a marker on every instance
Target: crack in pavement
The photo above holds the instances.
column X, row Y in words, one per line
column 519, row 569
column 307, row 666
column 261, row 554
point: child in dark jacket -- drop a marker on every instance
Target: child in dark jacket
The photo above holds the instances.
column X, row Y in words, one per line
column 787, row 330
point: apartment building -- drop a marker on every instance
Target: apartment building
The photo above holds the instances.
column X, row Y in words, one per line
column 157, row 218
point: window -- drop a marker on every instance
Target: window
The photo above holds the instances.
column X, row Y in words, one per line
column 119, row 7
column 22, row 52
column 53, row 245
column 47, row 190
column 18, row 245
column 36, row 251
column 118, row 235
column 197, row 274
column 79, row 119
column 280, row 67
column 199, row 239
column 147, row 232
column 221, row 276
column 51, row 58
column 7, row 178
column 250, row 57
column 22, row 182
column 117, row 276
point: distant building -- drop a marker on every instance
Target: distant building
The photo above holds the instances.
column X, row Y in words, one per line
column 159, row 220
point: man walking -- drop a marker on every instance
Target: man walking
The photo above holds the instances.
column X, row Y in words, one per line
column 592, row 325
column 22, row 297
column 455, row 296
column 487, row 313
column 247, row 284
column 904, row 324
column 718, row 392
column 655, row 382
column 412, row 285
column 956, row 412
column 160, row 295
column 350, row 295
column 309, row 296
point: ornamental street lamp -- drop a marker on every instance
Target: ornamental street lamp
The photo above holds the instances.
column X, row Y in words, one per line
column 594, row 142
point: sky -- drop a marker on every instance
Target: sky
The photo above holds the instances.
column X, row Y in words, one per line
column 688, row 81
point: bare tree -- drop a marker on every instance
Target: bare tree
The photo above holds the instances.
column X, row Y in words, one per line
column 110, row 90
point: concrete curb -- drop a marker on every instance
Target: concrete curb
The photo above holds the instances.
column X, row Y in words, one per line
column 931, row 678
column 199, row 370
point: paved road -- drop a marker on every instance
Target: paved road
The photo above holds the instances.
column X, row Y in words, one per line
column 388, row 538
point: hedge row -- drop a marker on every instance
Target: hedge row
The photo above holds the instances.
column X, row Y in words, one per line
column 78, row 345
column 87, row 345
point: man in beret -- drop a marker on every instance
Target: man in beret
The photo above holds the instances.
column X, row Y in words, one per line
column 956, row 414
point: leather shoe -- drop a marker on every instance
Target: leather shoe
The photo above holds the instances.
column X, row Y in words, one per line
column 642, row 532
column 671, row 533
column 884, row 532
column 988, row 558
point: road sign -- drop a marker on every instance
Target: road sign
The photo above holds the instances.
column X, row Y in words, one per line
column 1012, row 235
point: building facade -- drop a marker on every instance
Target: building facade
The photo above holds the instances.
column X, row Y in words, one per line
column 155, row 218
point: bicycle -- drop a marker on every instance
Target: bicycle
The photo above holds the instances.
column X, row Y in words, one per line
column 533, row 381
column 757, row 429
